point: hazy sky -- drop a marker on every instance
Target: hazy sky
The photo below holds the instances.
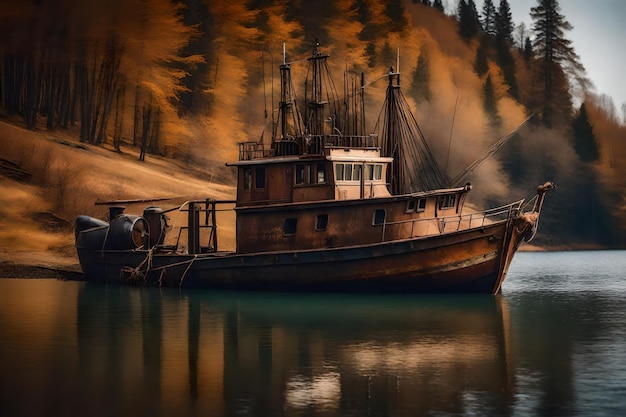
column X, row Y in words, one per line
column 597, row 36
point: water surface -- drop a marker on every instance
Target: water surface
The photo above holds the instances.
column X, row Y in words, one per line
column 552, row 345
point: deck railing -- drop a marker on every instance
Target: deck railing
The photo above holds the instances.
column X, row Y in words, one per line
column 201, row 216
column 449, row 224
column 306, row 145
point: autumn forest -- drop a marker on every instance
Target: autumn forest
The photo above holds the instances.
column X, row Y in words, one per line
column 186, row 80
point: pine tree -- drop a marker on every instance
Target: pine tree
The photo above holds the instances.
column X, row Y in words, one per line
column 481, row 65
column 395, row 11
column 490, row 103
column 528, row 49
column 195, row 99
column 504, row 22
column 467, row 16
column 554, row 51
column 504, row 42
column 387, row 54
column 585, row 142
column 489, row 18
column 420, row 85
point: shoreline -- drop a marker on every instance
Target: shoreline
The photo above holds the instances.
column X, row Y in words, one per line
column 11, row 270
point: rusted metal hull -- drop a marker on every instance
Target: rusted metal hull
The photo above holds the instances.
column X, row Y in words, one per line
column 469, row 261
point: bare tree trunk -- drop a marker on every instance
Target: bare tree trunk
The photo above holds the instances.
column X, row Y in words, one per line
column 154, row 134
column 30, row 95
column 50, row 95
column 119, row 117
column 84, row 92
column 14, row 76
column 63, row 101
column 147, row 114
column 136, row 117
column 98, row 88
column 75, row 94
column 144, row 135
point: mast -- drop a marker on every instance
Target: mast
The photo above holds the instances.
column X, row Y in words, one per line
column 289, row 125
column 414, row 167
column 321, row 96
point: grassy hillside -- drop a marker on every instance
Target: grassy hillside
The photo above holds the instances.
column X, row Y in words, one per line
column 68, row 178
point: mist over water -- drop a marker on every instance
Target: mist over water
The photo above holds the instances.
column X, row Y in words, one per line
column 553, row 344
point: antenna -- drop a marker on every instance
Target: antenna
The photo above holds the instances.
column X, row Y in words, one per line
column 398, row 60
column 284, row 54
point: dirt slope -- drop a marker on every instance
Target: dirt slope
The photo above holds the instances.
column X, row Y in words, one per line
column 68, row 178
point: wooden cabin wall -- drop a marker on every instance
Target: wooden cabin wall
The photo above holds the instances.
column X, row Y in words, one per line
column 277, row 187
column 316, row 192
column 347, row 224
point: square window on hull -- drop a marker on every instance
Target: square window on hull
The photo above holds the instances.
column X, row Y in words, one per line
column 379, row 217
column 289, row 227
column 322, row 222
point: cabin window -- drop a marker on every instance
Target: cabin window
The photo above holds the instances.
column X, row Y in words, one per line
column 300, row 174
column 378, row 172
column 447, row 201
column 353, row 172
column 247, row 178
column 259, row 174
column 416, row 205
column 379, row 217
column 348, row 172
column 310, row 173
column 322, row 222
column 289, row 227
column 339, row 172
column 321, row 173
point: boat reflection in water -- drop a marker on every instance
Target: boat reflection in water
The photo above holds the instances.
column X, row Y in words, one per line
column 276, row 354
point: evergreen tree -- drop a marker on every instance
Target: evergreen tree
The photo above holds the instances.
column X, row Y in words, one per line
column 528, row 50
column 489, row 18
column 438, row 4
column 420, row 84
column 370, row 51
column 387, row 55
column 554, row 51
column 481, row 65
column 369, row 33
column 490, row 103
column 504, row 22
column 504, row 42
column 194, row 99
column 395, row 11
column 469, row 22
column 585, row 142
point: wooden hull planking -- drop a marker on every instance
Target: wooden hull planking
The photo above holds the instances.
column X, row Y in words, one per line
column 470, row 261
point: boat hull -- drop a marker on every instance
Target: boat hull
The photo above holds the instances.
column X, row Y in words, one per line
column 470, row 261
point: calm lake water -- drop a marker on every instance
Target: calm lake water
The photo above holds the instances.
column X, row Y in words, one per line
column 554, row 344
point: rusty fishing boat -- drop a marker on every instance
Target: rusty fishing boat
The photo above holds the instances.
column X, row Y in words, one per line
column 323, row 207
